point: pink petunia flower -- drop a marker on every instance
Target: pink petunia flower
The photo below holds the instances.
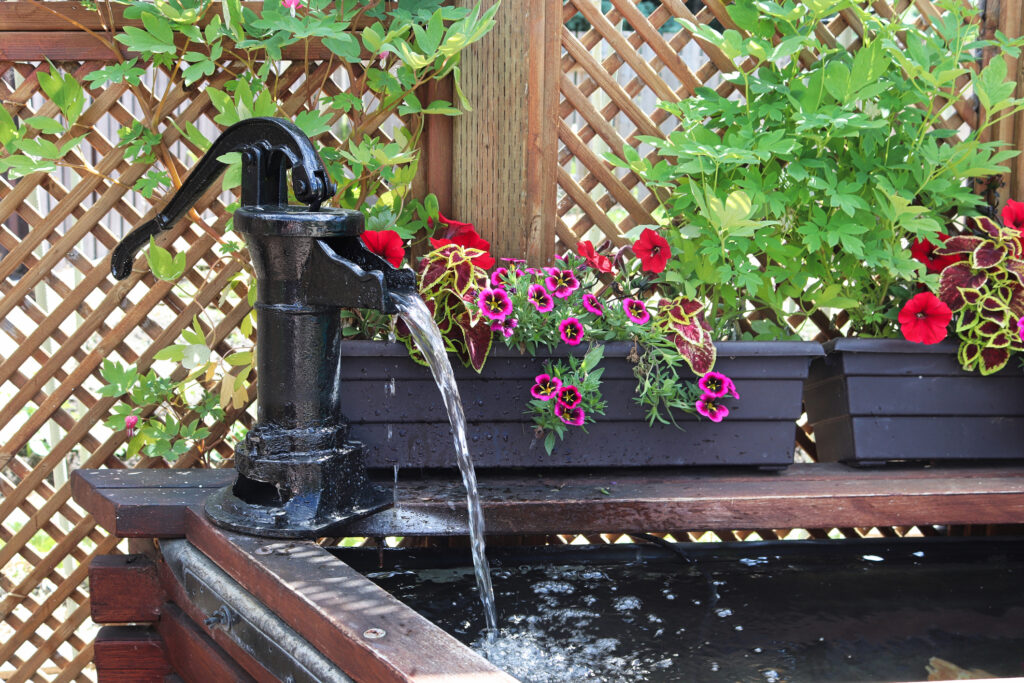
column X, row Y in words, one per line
column 709, row 407
column 561, row 283
column 636, row 311
column 570, row 416
column 539, row 297
column 571, row 331
column 494, row 303
column 545, row 387
column 714, row 384
column 506, row 327
column 292, row 5
column 569, row 396
column 498, row 277
column 593, row 304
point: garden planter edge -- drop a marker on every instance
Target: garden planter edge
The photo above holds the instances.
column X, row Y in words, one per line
column 395, row 410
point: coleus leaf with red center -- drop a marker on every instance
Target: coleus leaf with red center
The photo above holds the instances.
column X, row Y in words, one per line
column 969, row 354
column 992, row 360
column 959, row 244
column 955, row 281
column 682, row 321
column 987, row 255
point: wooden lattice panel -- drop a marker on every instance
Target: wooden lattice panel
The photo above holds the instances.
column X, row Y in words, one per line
column 615, row 72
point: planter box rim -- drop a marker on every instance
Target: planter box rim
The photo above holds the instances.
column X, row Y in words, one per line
column 361, row 348
column 873, row 345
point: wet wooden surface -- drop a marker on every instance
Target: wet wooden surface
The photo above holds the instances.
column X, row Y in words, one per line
column 334, row 607
column 153, row 502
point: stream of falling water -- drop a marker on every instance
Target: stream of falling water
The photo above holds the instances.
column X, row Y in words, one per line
column 428, row 339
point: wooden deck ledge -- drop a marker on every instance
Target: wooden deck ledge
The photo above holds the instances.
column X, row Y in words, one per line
column 152, row 503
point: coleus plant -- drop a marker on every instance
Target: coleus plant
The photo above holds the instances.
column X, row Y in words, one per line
column 984, row 288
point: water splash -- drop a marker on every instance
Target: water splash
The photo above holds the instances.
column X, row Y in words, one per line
column 428, row 338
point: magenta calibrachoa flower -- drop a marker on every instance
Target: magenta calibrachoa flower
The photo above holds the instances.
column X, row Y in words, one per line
column 494, row 303
column 593, row 304
column 636, row 311
column 569, row 396
column 498, row 277
column 506, row 327
column 716, row 384
column 709, row 407
column 541, row 300
column 1020, row 328
column 571, row 331
column 561, row 283
column 545, row 387
column 570, row 416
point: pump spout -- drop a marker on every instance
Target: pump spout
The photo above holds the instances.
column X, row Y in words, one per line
column 299, row 475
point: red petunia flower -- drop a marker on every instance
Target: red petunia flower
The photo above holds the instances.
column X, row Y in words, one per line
column 924, row 251
column 1013, row 214
column 386, row 244
column 598, row 262
column 465, row 235
column 653, row 251
column 924, row 319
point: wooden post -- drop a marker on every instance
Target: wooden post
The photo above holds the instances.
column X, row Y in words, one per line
column 505, row 151
column 1007, row 16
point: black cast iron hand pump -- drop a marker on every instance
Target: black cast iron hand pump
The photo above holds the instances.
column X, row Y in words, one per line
column 298, row 474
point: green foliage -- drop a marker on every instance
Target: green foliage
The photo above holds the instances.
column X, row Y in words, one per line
column 809, row 188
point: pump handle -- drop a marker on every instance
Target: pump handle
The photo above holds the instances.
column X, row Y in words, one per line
column 269, row 146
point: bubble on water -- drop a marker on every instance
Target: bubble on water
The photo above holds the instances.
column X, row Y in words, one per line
column 919, row 553
column 771, row 676
column 723, row 612
column 549, row 587
column 714, row 666
column 753, row 561
column 873, row 558
column 738, row 627
column 626, row 603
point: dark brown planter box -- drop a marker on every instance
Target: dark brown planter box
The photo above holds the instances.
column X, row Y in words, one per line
column 872, row 401
column 408, row 426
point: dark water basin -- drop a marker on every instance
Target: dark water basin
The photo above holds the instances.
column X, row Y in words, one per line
column 816, row 611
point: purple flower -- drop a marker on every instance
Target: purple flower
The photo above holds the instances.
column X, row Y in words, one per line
column 715, row 384
column 570, row 416
column 561, row 283
column 505, row 326
column 1020, row 328
column 569, row 396
column 545, row 387
column 498, row 277
column 571, row 331
column 636, row 311
column 539, row 297
column 592, row 304
column 711, row 409
column 494, row 303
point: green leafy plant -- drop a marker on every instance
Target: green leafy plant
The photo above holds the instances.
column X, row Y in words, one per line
column 797, row 199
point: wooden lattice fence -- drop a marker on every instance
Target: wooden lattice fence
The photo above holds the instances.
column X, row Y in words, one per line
column 588, row 86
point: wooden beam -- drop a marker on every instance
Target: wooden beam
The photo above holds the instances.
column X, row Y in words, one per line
column 505, row 152
column 332, row 606
column 130, row 653
column 194, row 657
column 124, row 589
column 814, row 496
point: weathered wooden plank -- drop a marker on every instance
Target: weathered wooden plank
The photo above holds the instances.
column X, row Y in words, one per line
column 123, row 653
column 124, row 589
column 804, row 496
column 194, row 657
column 332, row 605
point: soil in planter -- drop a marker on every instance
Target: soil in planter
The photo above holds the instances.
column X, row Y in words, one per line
column 796, row 611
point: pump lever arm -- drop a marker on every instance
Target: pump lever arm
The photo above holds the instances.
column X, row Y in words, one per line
column 269, row 146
